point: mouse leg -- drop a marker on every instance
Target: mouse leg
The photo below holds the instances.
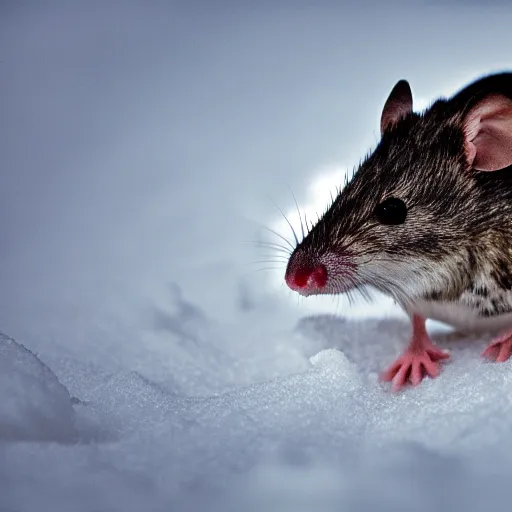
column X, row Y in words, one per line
column 500, row 348
column 419, row 359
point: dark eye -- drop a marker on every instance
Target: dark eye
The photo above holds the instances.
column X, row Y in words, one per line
column 392, row 211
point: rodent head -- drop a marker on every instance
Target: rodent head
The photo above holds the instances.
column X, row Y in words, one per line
column 406, row 221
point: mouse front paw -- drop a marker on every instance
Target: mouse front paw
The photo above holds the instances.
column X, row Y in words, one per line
column 500, row 348
column 420, row 359
column 413, row 365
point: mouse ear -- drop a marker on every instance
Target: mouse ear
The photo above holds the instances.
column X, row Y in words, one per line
column 398, row 105
column 488, row 133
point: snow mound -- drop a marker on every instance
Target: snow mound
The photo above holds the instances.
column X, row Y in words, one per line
column 34, row 405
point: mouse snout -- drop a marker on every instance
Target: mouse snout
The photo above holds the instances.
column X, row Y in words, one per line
column 305, row 274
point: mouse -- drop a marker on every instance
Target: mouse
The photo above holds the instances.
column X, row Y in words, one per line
column 426, row 219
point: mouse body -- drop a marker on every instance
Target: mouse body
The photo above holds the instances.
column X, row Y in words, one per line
column 427, row 220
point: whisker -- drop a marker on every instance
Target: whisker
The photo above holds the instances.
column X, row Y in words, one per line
column 300, row 216
column 274, row 247
column 388, row 287
column 275, row 255
column 267, row 261
column 279, row 256
column 273, row 244
column 289, row 223
column 257, row 243
column 350, row 298
column 281, row 237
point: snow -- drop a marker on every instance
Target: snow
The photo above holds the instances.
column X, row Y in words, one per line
column 147, row 363
column 324, row 434
column 35, row 405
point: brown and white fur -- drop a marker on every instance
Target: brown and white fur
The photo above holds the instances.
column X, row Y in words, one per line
column 447, row 254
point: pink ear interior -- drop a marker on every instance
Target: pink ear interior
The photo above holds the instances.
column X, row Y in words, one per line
column 398, row 105
column 488, row 134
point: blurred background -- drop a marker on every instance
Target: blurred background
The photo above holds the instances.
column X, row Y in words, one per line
column 144, row 143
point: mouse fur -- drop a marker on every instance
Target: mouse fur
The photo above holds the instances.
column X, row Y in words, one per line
column 451, row 259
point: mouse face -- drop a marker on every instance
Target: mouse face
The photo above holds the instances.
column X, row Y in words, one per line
column 415, row 217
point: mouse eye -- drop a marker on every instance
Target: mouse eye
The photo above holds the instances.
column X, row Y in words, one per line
column 392, row 211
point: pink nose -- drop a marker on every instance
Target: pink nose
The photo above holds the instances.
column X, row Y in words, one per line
column 307, row 278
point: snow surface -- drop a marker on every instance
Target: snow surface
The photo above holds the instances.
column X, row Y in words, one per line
column 148, row 365
column 35, row 405
column 322, row 435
